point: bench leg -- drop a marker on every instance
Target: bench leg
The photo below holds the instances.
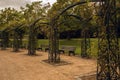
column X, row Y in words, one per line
column 61, row 51
column 39, row 49
column 71, row 52
column 46, row 49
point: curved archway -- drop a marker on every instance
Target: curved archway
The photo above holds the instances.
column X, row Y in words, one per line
column 108, row 59
column 53, row 38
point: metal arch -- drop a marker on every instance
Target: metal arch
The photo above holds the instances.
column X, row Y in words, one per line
column 54, row 55
column 108, row 66
column 108, row 57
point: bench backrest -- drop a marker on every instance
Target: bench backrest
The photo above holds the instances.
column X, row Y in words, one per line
column 44, row 46
column 72, row 48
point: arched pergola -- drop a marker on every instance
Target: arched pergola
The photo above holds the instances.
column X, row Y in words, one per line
column 54, row 55
column 108, row 63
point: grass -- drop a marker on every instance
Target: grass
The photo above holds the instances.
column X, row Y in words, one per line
column 77, row 43
column 72, row 42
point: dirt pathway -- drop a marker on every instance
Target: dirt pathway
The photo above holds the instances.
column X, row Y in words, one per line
column 19, row 66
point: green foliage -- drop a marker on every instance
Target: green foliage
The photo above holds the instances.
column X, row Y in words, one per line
column 9, row 17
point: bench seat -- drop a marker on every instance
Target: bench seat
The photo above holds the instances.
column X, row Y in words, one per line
column 69, row 49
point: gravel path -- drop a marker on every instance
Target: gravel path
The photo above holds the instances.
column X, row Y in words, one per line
column 19, row 66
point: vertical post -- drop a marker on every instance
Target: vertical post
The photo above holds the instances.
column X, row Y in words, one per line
column 32, row 40
column 15, row 40
column 85, row 44
column 53, row 56
column 4, row 39
column 108, row 54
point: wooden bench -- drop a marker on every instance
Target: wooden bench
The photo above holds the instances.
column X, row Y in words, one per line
column 69, row 49
column 43, row 47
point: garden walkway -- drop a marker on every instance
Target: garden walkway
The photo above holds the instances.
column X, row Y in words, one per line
column 19, row 66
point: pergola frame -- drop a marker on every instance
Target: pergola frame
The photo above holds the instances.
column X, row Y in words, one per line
column 108, row 55
column 108, row 65
column 54, row 56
